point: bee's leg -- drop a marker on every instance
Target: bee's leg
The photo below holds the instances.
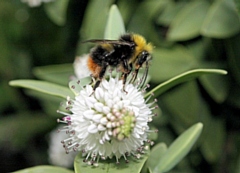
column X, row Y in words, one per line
column 143, row 58
column 144, row 76
column 135, row 73
column 127, row 70
column 124, row 78
column 100, row 77
column 92, row 80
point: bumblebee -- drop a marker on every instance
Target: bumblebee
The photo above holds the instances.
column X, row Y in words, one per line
column 129, row 52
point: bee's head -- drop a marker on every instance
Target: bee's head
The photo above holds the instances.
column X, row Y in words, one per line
column 143, row 57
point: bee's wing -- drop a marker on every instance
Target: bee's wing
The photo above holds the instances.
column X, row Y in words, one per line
column 99, row 41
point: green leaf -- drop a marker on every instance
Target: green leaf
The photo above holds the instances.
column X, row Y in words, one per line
column 115, row 25
column 168, row 63
column 234, row 96
column 59, row 74
column 217, row 86
column 179, row 148
column 222, row 20
column 198, row 49
column 215, row 134
column 94, row 23
column 187, row 23
column 109, row 166
column 155, row 155
column 237, row 2
column 161, row 88
column 142, row 19
column 183, row 103
column 233, row 54
column 44, row 87
column 126, row 9
column 56, row 11
column 169, row 12
column 45, row 169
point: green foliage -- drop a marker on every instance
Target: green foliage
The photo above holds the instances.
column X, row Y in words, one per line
column 58, row 74
column 161, row 88
column 57, row 10
column 45, row 169
column 178, row 149
column 44, row 87
column 222, row 20
column 187, row 24
column 115, row 25
column 156, row 155
column 134, row 166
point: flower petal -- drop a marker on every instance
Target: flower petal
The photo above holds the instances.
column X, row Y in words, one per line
column 97, row 117
column 101, row 127
column 98, row 106
column 88, row 114
column 92, row 128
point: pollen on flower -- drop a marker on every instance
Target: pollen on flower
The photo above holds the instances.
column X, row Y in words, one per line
column 108, row 122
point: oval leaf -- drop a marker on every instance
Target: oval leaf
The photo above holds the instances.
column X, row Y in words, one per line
column 215, row 133
column 188, row 22
column 169, row 12
column 59, row 74
column 56, row 11
column 161, row 88
column 156, row 153
column 233, row 54
column 93, row 24
column 44, row 87
column 222, row 20
column 142, row 19
column 185, row 110
column 179, row 148
column 212, row 83
column 107, row 166
column 115, row 25
column 45, row 169
column 172, row 62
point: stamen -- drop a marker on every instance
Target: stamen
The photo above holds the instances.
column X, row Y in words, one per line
column 66, row 140
column 63, row 113
column 88, row 155
column 117, row 161
column 61, row 121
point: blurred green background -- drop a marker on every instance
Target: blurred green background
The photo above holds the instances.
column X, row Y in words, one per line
column 186, row 35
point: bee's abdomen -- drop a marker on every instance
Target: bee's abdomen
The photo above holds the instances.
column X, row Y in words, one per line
column 93, row 66
column 98, row 54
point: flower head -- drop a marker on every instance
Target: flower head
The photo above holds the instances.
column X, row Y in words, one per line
column 80, row 66
column 107, row 122
column 35, row 3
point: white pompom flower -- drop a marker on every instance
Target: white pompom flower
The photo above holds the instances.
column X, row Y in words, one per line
column 35, row 3
column 108, row 122
column 80, row 66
